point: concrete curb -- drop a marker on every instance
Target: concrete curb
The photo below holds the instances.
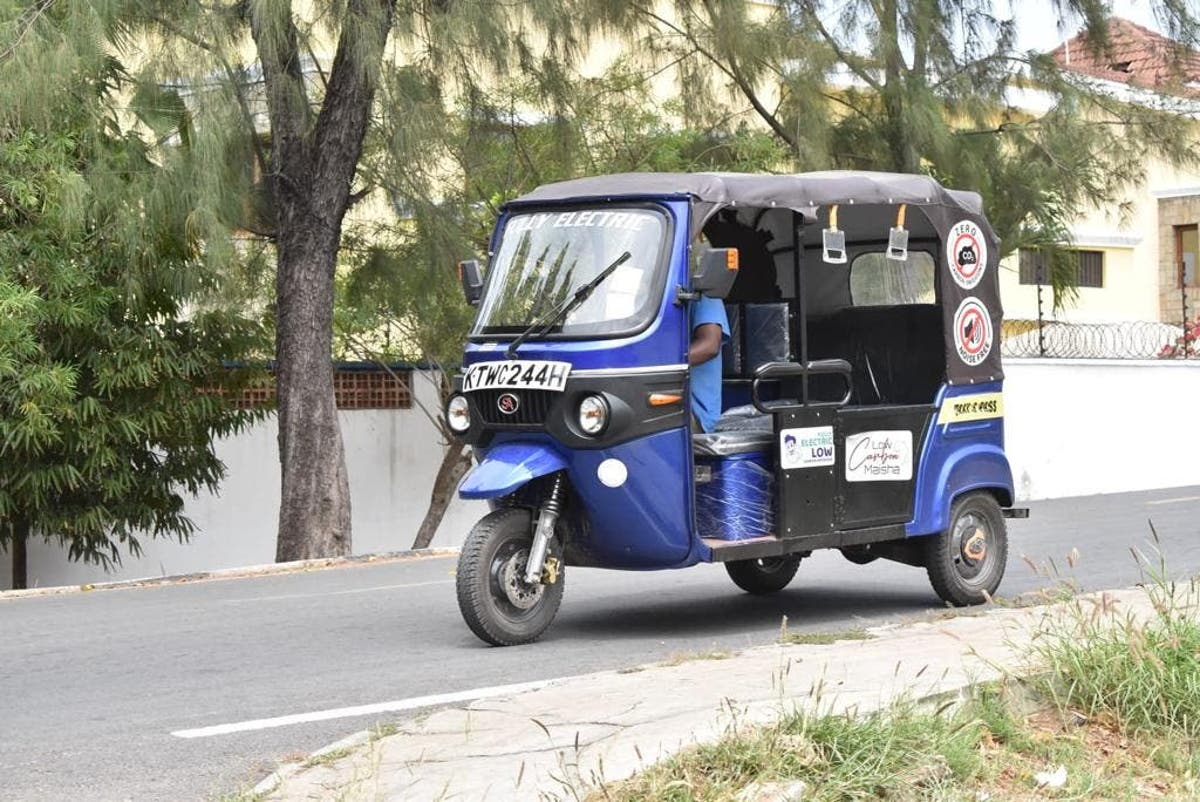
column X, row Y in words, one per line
column 268, row 569
column 276, row 778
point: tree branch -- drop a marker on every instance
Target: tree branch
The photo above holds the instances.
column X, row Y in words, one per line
column 857, row 65
column 30, row 19
column 277, row 40
column 342, row 121
column 732, row 72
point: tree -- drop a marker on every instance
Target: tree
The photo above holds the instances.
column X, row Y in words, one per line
column 926, row 86
column 112, row 389
column 317, row 73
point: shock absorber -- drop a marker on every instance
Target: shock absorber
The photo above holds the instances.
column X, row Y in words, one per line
column 547, row 518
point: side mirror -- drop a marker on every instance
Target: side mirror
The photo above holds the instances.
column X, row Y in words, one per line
column 715, row 271
column 471, row 277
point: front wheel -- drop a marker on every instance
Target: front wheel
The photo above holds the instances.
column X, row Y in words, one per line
column 493, row 597
column 767, row 575
column 966, row 562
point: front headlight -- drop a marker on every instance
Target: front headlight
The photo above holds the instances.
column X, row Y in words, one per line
column 458, row 413
column 593, row 415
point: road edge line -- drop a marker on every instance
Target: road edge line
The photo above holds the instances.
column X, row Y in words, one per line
column 242, row 572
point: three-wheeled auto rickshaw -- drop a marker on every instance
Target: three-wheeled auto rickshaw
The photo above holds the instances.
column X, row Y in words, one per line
column 860, row 386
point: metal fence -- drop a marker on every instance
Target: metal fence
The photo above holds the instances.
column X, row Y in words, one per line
column 1125, row 340
column 1130, row 340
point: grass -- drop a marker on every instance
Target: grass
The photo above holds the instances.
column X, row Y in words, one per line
column 679, row 658
column 821, row 638
column 838, row 757
column 1144, row 674
column 992, row 747
column 1118, row 708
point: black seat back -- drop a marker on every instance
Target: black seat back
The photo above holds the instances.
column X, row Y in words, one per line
column 758, row 334
column 897, row 352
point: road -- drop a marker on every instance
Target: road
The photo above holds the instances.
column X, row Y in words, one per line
column 93, row 684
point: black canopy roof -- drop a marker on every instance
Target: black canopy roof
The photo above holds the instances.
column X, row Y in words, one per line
column 802, row 192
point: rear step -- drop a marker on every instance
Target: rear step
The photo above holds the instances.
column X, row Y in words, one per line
column 770, row 546
column 750, row 549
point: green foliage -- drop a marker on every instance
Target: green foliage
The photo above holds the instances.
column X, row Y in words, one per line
column 931, row 86
column 400, row 297
column 112, row 336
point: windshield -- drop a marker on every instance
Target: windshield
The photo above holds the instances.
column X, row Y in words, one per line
column 545, row 257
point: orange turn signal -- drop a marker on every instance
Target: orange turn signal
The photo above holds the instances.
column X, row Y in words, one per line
column 731, row 258
column 664, row 399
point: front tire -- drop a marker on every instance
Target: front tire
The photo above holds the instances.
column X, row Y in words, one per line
column 966, row 562
column 766, row 575
column 493, row 597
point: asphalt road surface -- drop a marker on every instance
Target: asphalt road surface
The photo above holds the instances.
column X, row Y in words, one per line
column 92, row 685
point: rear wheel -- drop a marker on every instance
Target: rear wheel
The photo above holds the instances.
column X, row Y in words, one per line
column 966, row 562
column 493, row 597
column 859, row 555
column 766, row 575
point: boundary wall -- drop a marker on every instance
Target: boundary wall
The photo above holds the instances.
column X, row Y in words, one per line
column 1073, row 428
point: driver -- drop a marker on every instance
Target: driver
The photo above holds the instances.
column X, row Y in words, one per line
column 710, row 330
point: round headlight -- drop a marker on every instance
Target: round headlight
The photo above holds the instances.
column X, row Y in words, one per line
column 458, row 413
column 593, row 415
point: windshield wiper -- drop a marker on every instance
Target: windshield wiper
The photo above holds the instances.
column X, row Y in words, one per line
column 543, row 325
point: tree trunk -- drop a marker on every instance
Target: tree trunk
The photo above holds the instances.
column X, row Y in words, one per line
column 455, row 462
column 20, row 570
column 313, row 165
column 314, row 502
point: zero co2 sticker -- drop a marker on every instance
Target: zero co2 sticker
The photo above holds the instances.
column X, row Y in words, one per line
column 972, row 332
column 966, row 253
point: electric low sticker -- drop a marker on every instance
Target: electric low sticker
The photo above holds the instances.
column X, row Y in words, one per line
column 980, row 406
column 972, row 332
column 806, row 448
column 966, row 254
column 885, row 456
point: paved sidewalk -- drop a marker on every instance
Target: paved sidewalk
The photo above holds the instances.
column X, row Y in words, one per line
column 555, row 742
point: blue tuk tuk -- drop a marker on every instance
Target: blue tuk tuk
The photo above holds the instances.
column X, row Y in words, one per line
column 859, row 403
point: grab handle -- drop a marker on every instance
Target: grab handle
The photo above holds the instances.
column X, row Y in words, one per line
column 788, row 370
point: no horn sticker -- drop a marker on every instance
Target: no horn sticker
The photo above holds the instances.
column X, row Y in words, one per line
column 966, row 253
column 972, row 332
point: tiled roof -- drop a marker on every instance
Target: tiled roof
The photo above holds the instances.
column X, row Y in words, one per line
column 1137, row 56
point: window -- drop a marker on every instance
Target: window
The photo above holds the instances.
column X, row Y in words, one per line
column 1033, row 267
column 1187, row 245
column 876, row 280
column 545, row 258
column 1089, row 267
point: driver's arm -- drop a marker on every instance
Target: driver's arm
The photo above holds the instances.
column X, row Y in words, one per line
column 706, row 343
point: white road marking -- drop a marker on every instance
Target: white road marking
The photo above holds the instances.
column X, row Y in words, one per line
column 339, row 592
column 415, row 703
column 1174, row 500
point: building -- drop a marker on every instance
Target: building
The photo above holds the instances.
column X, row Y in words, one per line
column 1137, row 263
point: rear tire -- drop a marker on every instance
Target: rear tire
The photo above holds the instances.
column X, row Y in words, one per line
column 966, row 562
column 766, row 575
column 497, row 604
column 859, row 555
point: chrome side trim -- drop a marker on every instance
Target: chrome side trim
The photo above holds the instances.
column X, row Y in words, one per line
column 628, row 371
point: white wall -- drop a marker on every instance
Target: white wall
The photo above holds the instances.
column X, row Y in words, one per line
column 1074, row 427
column 391, row 458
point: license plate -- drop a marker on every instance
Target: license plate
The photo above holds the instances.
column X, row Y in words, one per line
column 525, row 374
